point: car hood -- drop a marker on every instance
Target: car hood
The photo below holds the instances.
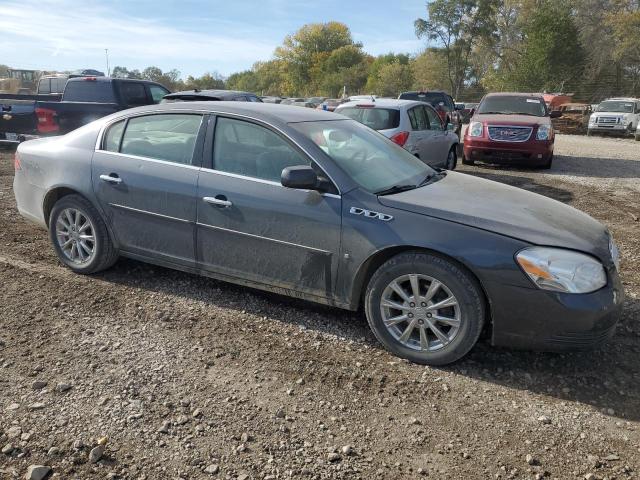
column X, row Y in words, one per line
column 527, row 120
column 505, row 210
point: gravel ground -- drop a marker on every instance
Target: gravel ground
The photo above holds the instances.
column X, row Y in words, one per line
column 145, row 373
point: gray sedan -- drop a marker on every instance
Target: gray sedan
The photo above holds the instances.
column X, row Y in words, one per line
column 313, row 205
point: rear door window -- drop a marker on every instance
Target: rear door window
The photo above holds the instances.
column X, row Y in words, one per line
column 420, row 122
column 376, row 118
column 157, row 92
column 133, row 94
column 89, row 91
column 44, row 86
column 113, row 136
column 170, row 137
column 433, row 118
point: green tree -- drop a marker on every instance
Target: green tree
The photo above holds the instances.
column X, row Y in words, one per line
column 378, row 63
column 457, row 26
column 304, row 54
column 430, row 70
column 210, row 81
column 551, row 53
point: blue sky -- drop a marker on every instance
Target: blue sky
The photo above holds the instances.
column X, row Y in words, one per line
column 194, row 36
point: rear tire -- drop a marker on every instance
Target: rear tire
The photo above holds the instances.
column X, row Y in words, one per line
column 436, row 336
column 452, row 159
column 79, row 236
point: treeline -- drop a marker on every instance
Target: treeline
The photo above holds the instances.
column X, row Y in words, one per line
column 588, row 47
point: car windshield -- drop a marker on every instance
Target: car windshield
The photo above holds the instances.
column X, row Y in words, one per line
column 370, row 159
column 376, row 118
column 620, row 107
column 513, row 105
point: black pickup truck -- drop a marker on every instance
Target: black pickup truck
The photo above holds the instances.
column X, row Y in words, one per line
column 84, row 99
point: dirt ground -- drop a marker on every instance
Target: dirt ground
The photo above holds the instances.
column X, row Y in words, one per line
column 187, row 377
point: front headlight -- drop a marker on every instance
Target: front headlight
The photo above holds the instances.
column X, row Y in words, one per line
column 544, row 132
column 475, row 129
column 615, row 253
column 592, row 119
column 562, row 270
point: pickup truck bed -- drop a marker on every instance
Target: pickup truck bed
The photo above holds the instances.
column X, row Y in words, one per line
column 84, row 100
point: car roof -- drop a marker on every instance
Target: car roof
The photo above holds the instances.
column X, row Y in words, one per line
column 622, row 99
column 382, row 103
column 207, row 93
column 514, row 94
column 83, row 78
column 267, row 112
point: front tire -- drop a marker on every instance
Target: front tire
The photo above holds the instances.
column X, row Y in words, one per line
column 79, row 236
column 425, row 308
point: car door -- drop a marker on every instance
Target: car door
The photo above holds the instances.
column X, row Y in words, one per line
column 419, row 129
column 250, row 227
column 438, row 144
column 145, row 175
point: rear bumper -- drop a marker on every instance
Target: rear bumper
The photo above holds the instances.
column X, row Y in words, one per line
column 548, row 321
column 531, row 152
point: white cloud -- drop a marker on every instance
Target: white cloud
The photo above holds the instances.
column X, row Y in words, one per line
column 57, row 32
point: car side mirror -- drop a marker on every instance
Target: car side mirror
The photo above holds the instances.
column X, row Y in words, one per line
column 450, row 127
column 300, row 177
column 555, row 114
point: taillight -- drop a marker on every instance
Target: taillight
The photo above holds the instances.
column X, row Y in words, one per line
column 400, row 138
column 16, row 162
column 46, row 120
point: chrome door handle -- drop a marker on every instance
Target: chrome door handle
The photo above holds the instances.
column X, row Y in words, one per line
column 217, row 201
column 110, row 179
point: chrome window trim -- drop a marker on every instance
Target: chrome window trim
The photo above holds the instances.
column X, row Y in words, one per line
column 260, row 180
column 146, row 212
column 104, row 128
column 149, row 159
column 282, row 242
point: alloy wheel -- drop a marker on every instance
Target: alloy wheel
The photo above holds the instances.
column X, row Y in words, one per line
column 76, row 236
column 420, row 312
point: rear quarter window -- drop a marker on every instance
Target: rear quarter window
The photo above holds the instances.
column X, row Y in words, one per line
column 89, row 91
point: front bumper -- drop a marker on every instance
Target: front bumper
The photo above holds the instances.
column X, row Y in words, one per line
column 618, row 128
column 549, row 321
column 531, row 152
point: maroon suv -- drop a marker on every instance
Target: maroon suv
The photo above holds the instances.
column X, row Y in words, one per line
column 510, row 128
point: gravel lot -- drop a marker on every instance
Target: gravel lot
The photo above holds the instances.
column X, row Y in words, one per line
column 146, row 373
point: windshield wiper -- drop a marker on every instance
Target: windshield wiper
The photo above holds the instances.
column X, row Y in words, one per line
column 432, row 177
column 396, row 189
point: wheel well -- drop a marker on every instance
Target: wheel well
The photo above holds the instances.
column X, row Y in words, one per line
column 375, row 261
column 52, row 197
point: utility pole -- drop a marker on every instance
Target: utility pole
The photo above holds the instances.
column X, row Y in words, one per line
column 106, row 53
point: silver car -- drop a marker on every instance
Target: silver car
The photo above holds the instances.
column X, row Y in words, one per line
column 413, row 125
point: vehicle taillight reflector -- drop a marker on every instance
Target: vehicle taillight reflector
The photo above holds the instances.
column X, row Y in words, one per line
column 400, row 138
column 90, row 79
column 16, row 162
column 46, row 120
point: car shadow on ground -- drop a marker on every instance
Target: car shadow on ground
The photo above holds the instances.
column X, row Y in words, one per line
column 527, row 183
column 607, row 378
column 568, row 165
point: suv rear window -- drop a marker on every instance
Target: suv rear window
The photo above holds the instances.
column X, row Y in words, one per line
column 376, row 118
column 433, row 98
column 89, row 91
